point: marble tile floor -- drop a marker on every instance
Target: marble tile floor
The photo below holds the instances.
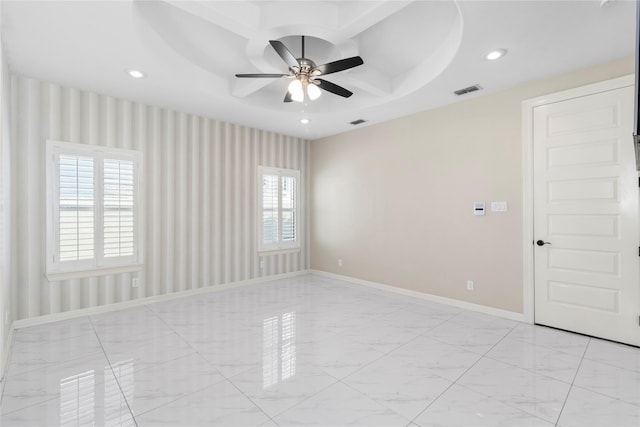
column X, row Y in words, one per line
column 314, row 351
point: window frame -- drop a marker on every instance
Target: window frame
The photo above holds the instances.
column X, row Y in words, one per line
column 99, row 264
column 280, row 246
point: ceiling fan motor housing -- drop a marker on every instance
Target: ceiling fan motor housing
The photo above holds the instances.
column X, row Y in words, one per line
column 306, row 65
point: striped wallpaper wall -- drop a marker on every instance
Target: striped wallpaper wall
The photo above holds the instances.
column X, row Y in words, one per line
column 199, row 196
column 6, row 317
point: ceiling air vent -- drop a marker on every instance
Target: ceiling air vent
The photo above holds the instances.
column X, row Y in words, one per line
column 357, row 122
column 467, row 90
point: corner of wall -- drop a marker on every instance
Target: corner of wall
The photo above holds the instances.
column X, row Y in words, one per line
column 6, row 317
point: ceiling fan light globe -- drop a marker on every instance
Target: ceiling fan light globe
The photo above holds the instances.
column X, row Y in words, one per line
column 295, row 89
column 313, row 91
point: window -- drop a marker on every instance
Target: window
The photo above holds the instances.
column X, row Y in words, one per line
column 92, row 207
column 279, row 193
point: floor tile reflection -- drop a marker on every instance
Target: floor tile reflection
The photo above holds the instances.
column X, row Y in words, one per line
column 310, row 350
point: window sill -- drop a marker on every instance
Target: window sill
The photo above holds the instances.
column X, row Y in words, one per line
column 278, row 251
column 94, row 272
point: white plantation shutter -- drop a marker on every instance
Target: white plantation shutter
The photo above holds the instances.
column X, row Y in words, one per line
column 92, row 210
column 270, row 229
column 289, row 202
column 118, row 208
column 279, row 213
column 76, row 208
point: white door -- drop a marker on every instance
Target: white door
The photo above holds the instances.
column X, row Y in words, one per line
column 587, row 264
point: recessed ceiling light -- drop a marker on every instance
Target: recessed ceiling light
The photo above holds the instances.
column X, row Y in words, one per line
column 495, row 54
column 304, row 121
column 136, row 74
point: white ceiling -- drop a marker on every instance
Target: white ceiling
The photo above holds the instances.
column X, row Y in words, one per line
column 416, row 53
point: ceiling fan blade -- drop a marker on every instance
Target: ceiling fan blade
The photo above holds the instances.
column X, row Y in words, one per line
column 333, row 88
column 340, row 65
column 287, row 97
column 284, row 53
column 262, row 76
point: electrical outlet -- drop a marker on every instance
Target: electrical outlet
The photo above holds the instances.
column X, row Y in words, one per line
column 339, row 262
column 469, row 285
column 134, row 283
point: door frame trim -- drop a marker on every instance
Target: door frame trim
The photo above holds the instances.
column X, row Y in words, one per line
column 528, row 105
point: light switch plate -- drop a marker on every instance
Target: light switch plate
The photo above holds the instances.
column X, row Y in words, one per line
column 498, row 206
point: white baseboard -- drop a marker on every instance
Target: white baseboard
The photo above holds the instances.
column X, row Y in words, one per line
column 8, row 345
column 511, row 315
column 40, row 320
column 49, row 318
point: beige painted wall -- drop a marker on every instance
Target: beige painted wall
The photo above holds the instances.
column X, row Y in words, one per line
column 394, row 200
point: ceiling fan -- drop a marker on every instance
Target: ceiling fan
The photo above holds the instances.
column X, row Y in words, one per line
column 305, row 73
